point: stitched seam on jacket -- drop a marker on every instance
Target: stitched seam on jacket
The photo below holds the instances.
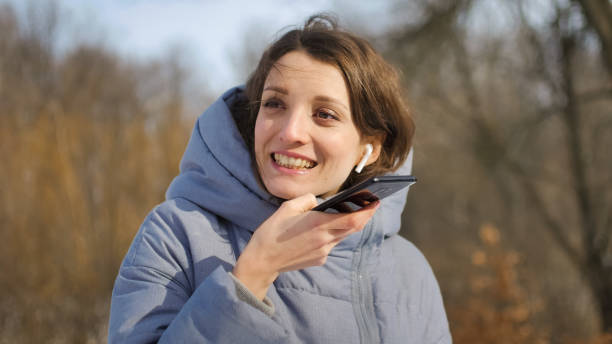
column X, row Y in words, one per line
column 361, row 289
column 155, row 218
column 313, row 293
column 418, row 313
column 162, row 274
column 233, row 239
column 443, row 336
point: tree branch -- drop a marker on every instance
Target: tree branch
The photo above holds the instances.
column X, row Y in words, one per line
column 603, row 242
column 555, row 228
column 595, row 95
column 574, row 141
column 541, row 66
column 599, row 16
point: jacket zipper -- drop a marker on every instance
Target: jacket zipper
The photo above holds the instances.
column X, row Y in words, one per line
column 363, row 304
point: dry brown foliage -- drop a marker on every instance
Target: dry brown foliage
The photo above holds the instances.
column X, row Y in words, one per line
column 85, row 156
column 497, row 308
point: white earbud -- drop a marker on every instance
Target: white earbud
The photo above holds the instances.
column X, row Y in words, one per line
column 365, row 158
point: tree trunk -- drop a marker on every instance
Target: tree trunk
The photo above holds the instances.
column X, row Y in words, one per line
column 600, row 278
column 599, row 16
column 598, row 274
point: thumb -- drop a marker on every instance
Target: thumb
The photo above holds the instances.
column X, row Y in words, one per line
column 302, row 203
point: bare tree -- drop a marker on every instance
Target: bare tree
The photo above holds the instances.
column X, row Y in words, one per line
column 531, row 109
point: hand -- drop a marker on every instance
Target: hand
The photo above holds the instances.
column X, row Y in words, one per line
column 294, row 238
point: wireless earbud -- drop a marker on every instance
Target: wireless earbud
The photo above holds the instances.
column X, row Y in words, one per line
column 365, row 158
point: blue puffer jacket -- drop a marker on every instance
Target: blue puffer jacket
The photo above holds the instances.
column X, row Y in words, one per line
column 174, row 285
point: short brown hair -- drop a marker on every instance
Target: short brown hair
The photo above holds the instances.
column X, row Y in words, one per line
column 377, row 107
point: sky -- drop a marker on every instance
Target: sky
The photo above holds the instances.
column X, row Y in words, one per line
column 210, row 35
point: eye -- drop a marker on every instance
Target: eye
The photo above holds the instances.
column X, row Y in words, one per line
column 326, row 114
column 272, row 103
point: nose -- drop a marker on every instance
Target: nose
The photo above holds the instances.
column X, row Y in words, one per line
column 295, row 127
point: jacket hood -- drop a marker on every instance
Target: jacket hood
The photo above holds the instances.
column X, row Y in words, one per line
column 216, row 174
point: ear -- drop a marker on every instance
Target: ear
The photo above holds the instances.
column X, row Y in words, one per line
column 376, row 147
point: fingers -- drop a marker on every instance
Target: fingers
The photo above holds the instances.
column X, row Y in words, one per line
column 315, row 257
column 323, row 232
column 343, row 208
column 301, row 204
column 352, row 222
column 329, row 229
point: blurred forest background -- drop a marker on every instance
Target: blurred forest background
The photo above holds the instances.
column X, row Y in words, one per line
column 513, row 151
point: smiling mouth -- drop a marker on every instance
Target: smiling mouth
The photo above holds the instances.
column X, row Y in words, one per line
column 292, row 163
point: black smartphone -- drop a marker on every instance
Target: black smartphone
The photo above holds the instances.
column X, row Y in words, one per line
column 366, row 192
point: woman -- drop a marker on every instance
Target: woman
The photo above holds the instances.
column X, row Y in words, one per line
column 235, row 254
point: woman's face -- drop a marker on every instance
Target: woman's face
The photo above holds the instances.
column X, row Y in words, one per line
column 305, row 138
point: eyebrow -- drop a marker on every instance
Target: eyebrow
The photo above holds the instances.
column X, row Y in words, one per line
column 277, row 89
column 322, row 98
column 332, row 100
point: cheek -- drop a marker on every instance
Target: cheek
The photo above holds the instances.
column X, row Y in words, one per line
column 342, row 151
column 259, row 135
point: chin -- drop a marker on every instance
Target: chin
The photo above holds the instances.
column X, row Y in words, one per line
column 288, row 192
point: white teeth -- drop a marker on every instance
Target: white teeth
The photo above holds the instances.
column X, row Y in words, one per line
column 291, row 162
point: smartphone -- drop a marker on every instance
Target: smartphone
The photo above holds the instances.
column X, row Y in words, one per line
column 366, row 192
